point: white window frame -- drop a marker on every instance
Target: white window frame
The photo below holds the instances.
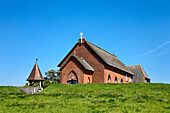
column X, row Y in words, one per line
column 130, row 79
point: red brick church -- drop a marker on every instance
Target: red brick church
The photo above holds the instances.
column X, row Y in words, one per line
column 87, row 63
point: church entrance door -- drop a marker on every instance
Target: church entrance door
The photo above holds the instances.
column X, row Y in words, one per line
column 72, row 78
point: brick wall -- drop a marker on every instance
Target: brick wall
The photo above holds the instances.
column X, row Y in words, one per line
column 68, row 72
column 115, row 73
column 87, row 78
column 100, row 74
column 82, row 50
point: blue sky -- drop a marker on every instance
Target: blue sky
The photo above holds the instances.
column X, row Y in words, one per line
column 137, row 31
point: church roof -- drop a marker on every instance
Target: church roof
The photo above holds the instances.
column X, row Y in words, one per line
column 109, row 58
column 35, row 74
column 81, row 61
column 139, row 73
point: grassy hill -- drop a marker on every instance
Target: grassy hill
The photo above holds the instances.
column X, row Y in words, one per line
column 89, row 98
column 9, row 89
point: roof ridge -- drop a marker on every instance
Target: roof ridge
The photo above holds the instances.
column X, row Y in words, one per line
column 111, row 58
column 143, row 71
column 132, row 65
column 102, row 49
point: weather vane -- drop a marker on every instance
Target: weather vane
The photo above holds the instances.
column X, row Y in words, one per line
column 36, row 60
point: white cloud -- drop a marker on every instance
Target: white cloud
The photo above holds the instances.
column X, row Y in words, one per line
column 168, row 42
column 155, row 49
column 163, row 53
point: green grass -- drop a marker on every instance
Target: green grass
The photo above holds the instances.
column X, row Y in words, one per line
column 63, row 98
column 9, row 89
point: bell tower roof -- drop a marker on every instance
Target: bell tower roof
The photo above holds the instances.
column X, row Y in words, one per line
column 35, row 74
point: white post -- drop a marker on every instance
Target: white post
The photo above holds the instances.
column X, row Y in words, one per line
column 34, row 90
column 40, row 84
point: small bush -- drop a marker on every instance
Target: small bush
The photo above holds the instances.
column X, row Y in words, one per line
column 47, row 83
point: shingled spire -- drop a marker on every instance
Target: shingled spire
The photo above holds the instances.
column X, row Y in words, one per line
column 35, row 75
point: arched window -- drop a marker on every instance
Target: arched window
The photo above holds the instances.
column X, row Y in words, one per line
column 130, row 79
column 88, row 81
column 126, row 78
column 109, row 79
column 121, row 81
column 115, row 79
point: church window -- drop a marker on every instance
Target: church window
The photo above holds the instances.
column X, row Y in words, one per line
column 121, row 81
column 115, row 79
column 88, row 81
column 126, row 78
column 109, row 79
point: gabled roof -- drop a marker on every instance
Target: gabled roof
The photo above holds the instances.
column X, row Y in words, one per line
column 67, row 54
column 109, row 58
column 35, row 74
column 139, row 73
column 85, row 65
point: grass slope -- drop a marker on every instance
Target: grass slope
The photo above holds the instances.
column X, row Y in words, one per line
column 91, row 98
column 9, row 89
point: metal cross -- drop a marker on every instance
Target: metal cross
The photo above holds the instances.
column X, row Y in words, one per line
column 81, row 34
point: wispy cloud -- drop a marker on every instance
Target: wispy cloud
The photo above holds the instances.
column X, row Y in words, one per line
column 168, row 42
column 155, row 49
column 163, row 53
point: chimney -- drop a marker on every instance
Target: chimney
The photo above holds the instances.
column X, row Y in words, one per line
column 83, row 40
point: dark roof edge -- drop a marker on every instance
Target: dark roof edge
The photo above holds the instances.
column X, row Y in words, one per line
column 122, row 70
column 77, row 61
column 144, row 72
column 35, row 80
column 67, row 55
